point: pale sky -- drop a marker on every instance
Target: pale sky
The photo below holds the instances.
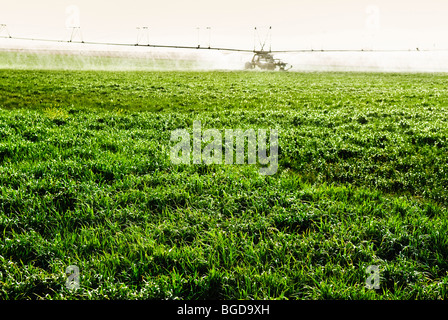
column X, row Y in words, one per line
column 296, row 24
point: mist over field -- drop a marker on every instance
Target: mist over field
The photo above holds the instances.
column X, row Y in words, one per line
column 78, row 57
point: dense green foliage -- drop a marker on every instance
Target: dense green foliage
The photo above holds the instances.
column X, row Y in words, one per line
column 86, row 180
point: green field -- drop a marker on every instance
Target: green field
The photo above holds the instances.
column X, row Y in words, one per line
column 86, row 180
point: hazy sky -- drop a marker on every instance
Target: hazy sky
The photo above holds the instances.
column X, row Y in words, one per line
column 296, row 23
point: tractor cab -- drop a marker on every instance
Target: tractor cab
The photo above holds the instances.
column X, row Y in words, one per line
column 266, row 61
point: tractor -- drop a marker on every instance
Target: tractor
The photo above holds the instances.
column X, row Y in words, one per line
column 266, row 61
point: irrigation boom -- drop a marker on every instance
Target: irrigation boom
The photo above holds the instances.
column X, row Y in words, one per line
column 262, row 58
